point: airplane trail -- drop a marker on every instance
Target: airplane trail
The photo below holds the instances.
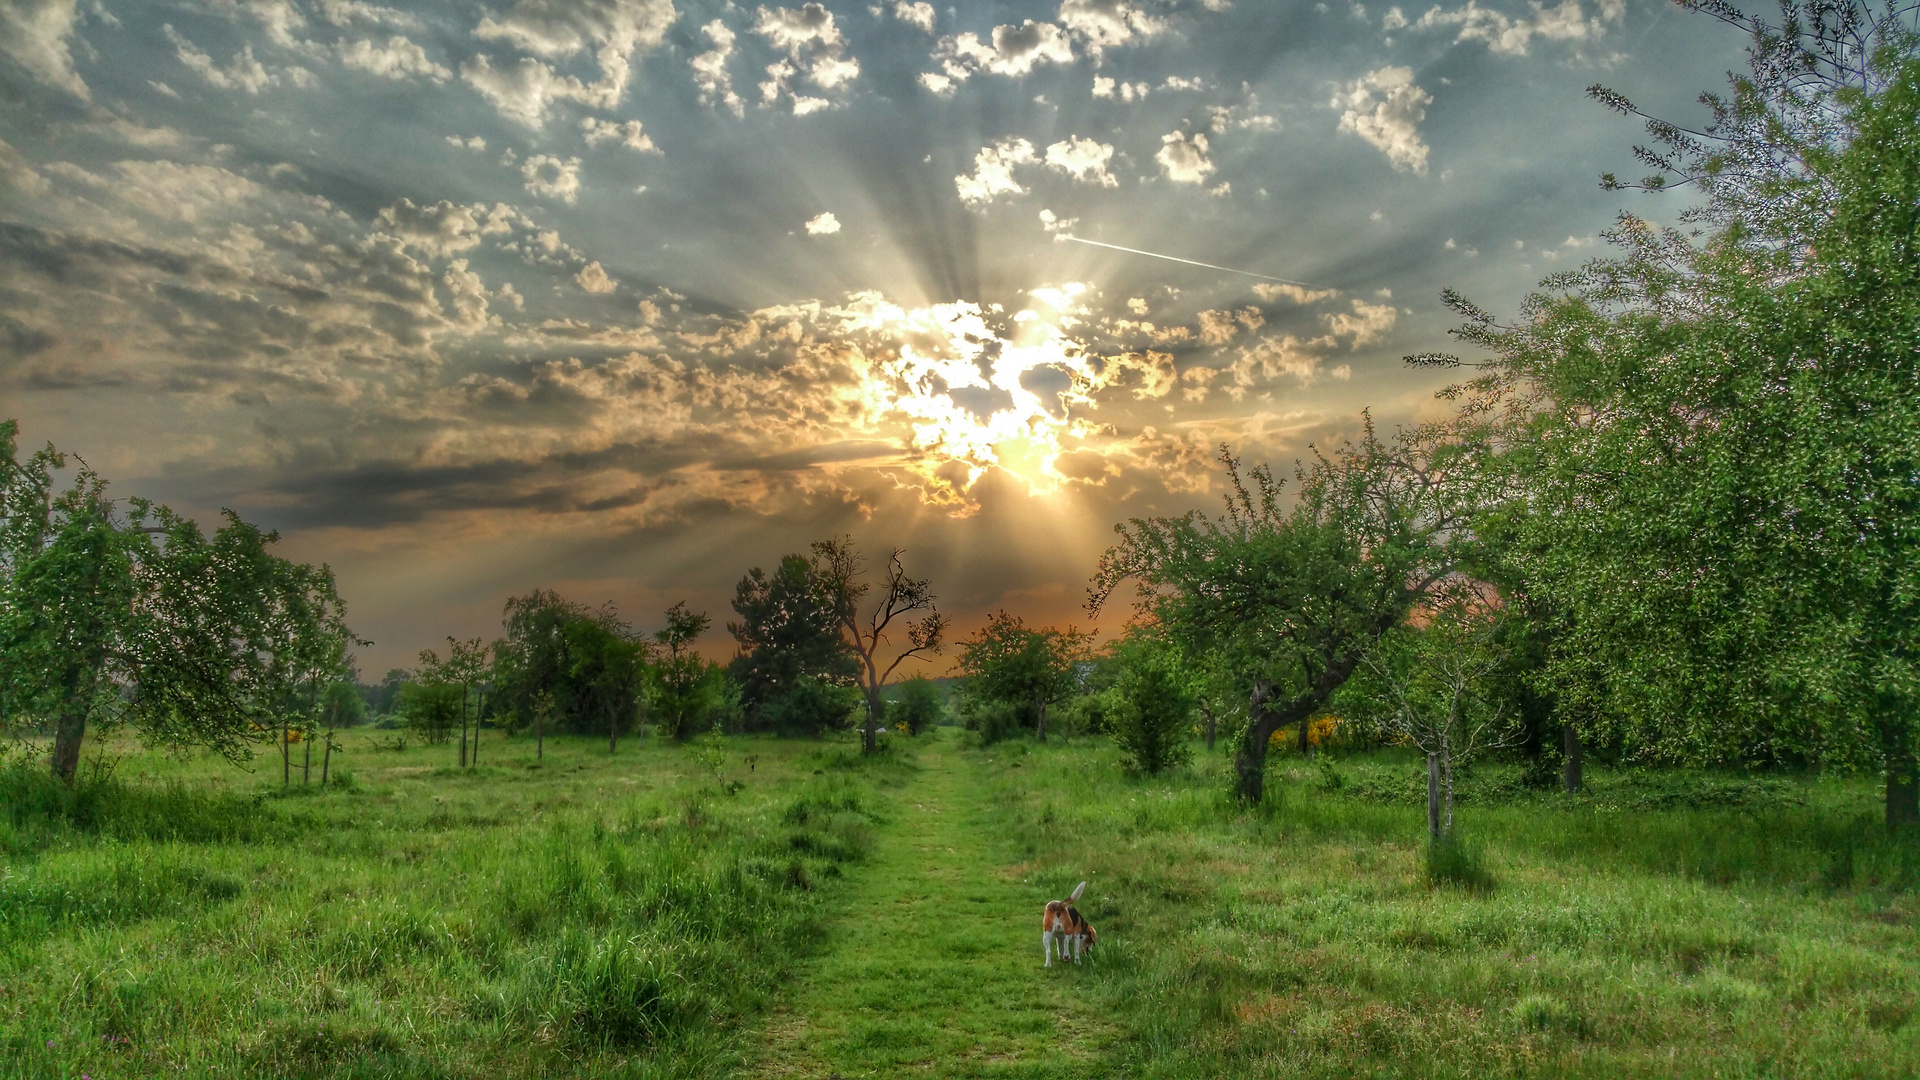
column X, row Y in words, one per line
column 1190, row 262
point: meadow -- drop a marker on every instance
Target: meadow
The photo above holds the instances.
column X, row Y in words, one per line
column 789, row 908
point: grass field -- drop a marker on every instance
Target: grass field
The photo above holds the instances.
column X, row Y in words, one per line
column 786, row 909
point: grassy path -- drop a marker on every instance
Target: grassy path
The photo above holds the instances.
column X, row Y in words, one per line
column 933, row 968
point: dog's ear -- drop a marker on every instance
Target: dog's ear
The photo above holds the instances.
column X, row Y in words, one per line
column 1077, row 890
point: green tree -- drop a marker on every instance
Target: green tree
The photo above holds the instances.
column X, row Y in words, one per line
column 1721, row 446
column 588, row 662
column 1029, row 667
column 135, row 616
column 432, row 707
column 839, row 566
column 788, row 629
column 683, row 685
column 1290, row 599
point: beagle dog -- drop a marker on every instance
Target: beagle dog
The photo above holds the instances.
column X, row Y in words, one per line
column 1063, row 932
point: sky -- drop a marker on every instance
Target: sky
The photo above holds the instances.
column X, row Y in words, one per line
column 622, row 297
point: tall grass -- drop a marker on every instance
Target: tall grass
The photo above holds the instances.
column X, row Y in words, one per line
column 1621, row 936
column 589, row 916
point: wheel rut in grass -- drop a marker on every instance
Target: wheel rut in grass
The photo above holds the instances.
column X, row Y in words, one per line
column 933, row 966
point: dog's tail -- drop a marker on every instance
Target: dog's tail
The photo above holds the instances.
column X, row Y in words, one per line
column 1077, row 890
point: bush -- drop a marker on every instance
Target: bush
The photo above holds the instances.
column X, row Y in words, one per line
column 920, row 706
column 1151, row 714
column 995, row 720
column 432, row 709
column 811, row 707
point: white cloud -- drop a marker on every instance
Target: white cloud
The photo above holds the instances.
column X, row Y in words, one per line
column 815, row 47
column 593, row 278
column 627, row 134
column 1107, row 23
column 1181, row 82
column 1054, row 223
column 1385, row 108
column 916, row 14
column 1299, row 294
column 1184, row 160
column 1104, row 87
column 440, row 229
column 164, row 90
column 34, row 33
column 552, row 178
column 613, row 30
column 1504, row 34
column 1015, row 50
column 1394, row 19
column 349, row 12
column 1138, row 305
column 397, row 59
column 244, row 73
column 710, row 69
column 1244, row 116
column 993, row 172
column 1083, row 159
column 823, row 224
column 1368, row 324
column 474, row 143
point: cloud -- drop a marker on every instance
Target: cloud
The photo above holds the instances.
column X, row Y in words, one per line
column 815, row 48
column 351, row 12
column 1385, row 108
column 1105, row 87
column 1504, row 34
column 992, row 174
column 1107, row 23
column 1083, row 159
column 915, row 14
column 1368, row 324
column 445, row 228
column 1054, row 223
column 1015, row 50
column 1299, row 294
column 710, row 69
column 593, row 278
column 397, row 59
column 1184, row 159
column 613, row 30
column 34, row 34
column 244, row 73
column 627, row 134
column 823, row 224
column 552, row 178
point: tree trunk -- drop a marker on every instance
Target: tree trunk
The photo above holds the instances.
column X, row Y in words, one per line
column 613, row 731
column 1903, row 778
column 1040, row 725
column 1446, row 789
column 1570, row 771
column 540, row 737
column 477, row 711
column 463, row 726
column 1250, row 764
column 66, row 744
column 306, row 758
column 1306, row 748
column 1433, row 798
column 286, row 754
column 326, row 760
column 1212, row 723
column 870, row 731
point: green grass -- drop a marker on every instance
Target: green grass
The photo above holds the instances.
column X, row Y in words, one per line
column 583, row 916
column 666, row 912
column 1308, row 939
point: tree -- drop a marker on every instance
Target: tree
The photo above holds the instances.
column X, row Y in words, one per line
column 1029, row 667
column 1437, row 684
column 588, row 662
column 135, row 616
column 432, row 706
column 684, row 685
column 466, row 664
column 839, row 567
column 788, row 630
column 1721, row 442
column 1289, row 600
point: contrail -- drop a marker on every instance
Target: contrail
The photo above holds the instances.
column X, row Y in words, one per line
column 1190, row 262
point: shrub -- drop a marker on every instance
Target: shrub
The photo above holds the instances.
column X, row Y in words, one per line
column 920, row 706
column 432, row 709
column 1152, row 715
column 811, row 707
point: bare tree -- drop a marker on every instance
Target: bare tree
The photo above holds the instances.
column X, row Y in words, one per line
column 841, row 566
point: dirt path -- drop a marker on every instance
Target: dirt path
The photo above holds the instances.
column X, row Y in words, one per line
column 933, row 968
